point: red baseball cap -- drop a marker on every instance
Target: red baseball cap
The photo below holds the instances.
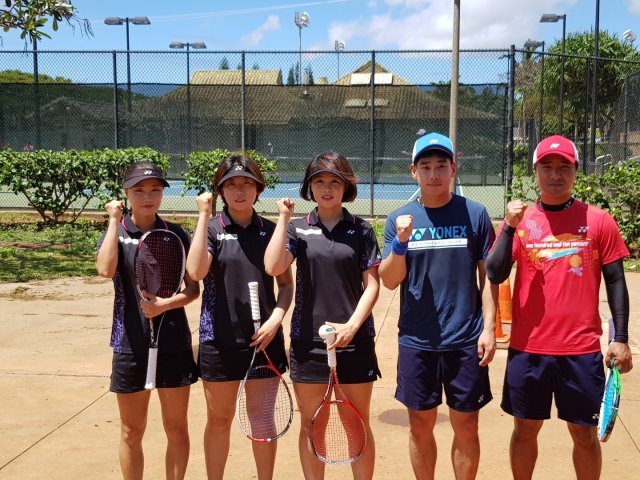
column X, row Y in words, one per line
column 556, row 145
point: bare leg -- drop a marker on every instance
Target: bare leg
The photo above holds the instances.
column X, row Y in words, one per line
column 308, row 397
column 587, row 456
column 465, row 449
column 422, row 443
column 523, row 450
column 360, row 395
column 221, row 407
column 134, row 408
column 175, row 404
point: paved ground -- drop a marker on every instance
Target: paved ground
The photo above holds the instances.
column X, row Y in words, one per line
column 60, row 422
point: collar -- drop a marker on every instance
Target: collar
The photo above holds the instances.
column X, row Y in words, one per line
column 225, row 219
column 130, row 227
column 313, row 219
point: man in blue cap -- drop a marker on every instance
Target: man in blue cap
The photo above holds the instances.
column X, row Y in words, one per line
column 435, row 248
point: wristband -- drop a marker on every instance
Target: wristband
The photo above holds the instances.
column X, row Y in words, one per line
column 399, row 248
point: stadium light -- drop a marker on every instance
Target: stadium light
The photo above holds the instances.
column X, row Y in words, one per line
column 126, row 21
column 339, row 46
column 553, row 18
column 302, row 20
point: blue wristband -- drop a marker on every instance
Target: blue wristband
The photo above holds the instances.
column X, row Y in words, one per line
column 398, row 247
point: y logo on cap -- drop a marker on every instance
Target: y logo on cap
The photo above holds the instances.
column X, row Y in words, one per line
column 554, row 145
column 148, row 172
column 238, row 168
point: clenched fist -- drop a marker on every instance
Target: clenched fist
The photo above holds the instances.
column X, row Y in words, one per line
column 205, row 203
column 286, row 207
column 404, row 227
column 515, row 212
column 114, row 209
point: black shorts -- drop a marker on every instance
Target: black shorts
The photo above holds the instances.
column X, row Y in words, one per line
column 576, row 383
column 357, row 363
column 222, row 363
column 423, row 374
column 129, row 371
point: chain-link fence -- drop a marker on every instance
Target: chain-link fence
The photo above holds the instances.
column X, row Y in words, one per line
column 291, row 106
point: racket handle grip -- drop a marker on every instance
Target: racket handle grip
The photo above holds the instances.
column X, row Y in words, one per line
column 255, row 304
column 152, row 365
column 328, row 333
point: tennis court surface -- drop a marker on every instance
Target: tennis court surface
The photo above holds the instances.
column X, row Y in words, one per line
column 59, row 420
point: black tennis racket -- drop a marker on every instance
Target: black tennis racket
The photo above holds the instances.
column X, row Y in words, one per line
column 159, row 265
column 264, row 404
column 610, row 403
column 338, row 434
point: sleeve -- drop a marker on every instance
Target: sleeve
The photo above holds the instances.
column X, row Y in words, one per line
column 500, row 258
column 212, row 239
column 389, row 235
column 618, row 298
column 369, row 251
column 610, row 241
column 292, row 239
column 487, row 235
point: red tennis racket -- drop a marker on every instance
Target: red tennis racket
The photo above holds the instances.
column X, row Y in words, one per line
column 159, row 266
column 338, row 434
column 264, row 405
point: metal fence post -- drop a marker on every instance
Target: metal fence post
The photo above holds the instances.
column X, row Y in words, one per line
column 372, row 129
column 510, row 119
column 116, row 126
column 626, row 116
column 243, row 102
column 36, row 94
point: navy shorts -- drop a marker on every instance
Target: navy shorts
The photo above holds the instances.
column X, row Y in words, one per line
column 357, row 363
column 221, row 363
column 576, row 383
column 422, row 375
column 129, row 371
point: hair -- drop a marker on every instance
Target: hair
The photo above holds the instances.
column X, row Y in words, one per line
column 249, row 165
column 337, row 164
column 433, row 153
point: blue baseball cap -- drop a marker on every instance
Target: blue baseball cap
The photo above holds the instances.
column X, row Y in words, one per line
column 432, row 141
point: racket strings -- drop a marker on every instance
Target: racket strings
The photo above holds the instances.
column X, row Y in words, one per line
column 160, row 264
column 609, row 406
column 338, row 434
column 264, row 404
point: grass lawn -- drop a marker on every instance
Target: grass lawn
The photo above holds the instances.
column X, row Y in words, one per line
column 31, row 251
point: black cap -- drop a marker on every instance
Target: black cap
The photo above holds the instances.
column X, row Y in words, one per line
column 143, row 172
column 238, row 170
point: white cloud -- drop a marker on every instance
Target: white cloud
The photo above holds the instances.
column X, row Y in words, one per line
column 428, row 24
column 254, row 38
column 634, row 6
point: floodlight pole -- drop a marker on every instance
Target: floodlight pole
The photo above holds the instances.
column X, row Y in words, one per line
column 453, row 99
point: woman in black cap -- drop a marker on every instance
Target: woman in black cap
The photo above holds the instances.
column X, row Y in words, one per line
column 337, row 256
column 228, row 253
column 144, row 185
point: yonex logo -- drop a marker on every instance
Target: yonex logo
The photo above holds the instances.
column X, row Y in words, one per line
column 238, row 168
column 148, row 172
column 263, row 234
column 418, row 233
column 370, row 373
column 351, row 232
column 433, row 140
column 583, row 229
column 554, row 145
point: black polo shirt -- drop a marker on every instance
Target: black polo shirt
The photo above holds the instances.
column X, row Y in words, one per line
column 329, row 272
column 238, row 258
column 130, row 329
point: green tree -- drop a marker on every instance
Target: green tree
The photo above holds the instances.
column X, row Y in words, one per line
column 224, row 63
column 611, row 76
column 31, row 17
column 16, row 76
column 291, row 79
column 309, row 76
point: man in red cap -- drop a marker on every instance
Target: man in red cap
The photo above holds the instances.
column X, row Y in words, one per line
column 562, row 247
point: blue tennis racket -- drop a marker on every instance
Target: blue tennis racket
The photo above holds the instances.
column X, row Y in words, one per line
column 610, row 403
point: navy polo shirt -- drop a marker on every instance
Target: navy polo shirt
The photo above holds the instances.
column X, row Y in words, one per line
column 130, row 329
column 440, row 303
column 238, row 258
column 329, row 272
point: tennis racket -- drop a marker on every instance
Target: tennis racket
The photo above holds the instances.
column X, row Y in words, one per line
column 610, row 403
column 159, row 265
column 338, row 434
column 264, row 405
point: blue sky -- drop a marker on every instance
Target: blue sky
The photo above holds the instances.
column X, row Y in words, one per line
column 258, row 25
column 362, row 24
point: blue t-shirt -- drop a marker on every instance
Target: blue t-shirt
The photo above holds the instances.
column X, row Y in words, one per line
column 440, row 303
